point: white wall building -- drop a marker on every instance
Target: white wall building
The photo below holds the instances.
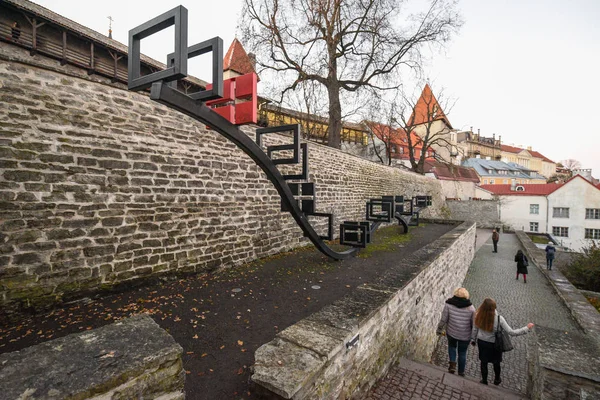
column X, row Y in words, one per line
column 569, row 212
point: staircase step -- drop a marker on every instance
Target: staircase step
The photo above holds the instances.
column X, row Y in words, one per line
column 329, row 216
column 463, row 384
column 355, row 234
column 304, row 174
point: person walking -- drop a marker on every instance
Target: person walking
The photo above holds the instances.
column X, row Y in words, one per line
column 522, row 263
column 550, row 252
column 457, row 317
column 487, row 322
column 495, row 238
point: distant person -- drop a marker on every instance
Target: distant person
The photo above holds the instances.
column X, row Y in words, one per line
column 522, row 263
column 457, row 317
column 15, row 31
column 495, row 238
column 487, row 321
column 550, row 252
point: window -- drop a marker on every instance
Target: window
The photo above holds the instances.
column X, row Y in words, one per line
column 520, row 189
column 560, row 231
column 491, row 181
column 429, row 200
column 592, row 233
column 534, row 209
column 485, row 181
column 505, row 181
column 534, row 227
column 560, row 212
column 592, row 213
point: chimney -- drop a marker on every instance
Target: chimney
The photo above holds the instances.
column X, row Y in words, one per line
column 513, row 184
column 478, row 131
column 529, row 148
column 471, row 129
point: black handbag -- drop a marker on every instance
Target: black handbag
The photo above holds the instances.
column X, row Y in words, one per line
column 503, row 342
column 525, row 261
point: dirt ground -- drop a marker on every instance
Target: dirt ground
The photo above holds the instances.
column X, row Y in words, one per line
column 221, row 319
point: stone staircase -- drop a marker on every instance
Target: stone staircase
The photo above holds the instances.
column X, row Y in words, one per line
column 414, row 380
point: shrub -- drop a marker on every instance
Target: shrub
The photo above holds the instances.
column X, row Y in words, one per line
column 584, row 270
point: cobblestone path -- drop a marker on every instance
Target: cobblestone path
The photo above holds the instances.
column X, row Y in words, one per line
column 493, row 275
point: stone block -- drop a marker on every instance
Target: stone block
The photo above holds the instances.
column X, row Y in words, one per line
column 133, row 358
column 284, row 368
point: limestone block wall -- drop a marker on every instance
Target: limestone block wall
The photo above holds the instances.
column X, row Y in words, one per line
column 484, row 212
column 342, row 350
column 130, row 359
column 100, row 186
column 561, row 366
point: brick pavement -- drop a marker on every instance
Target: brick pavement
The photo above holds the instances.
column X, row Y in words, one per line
column 417, row 381
column 493, row 275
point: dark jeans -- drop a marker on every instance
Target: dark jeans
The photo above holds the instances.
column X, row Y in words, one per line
column 484, row 371
column 549, row 262
column 495, row 245
column 462, row 346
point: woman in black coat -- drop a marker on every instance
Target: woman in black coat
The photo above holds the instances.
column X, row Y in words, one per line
column 522, row 263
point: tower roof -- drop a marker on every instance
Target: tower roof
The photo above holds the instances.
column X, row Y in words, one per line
column 236, row 59
column 427, row 109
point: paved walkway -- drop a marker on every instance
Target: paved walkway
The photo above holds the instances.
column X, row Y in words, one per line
column 493, row 275
column 490, row 275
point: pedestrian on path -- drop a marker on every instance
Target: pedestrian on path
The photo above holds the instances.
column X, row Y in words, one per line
column 495, row 238
column 550, row 252
column 457, row 317
column 522, row 263
column 487, row 321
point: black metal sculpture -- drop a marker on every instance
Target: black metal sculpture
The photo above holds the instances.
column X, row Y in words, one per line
column 297, row 198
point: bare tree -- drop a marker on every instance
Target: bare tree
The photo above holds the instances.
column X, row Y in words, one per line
column 425, row 127
column 343, row 45
column 571, row 164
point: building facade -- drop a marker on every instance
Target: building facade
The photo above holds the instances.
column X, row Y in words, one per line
column 568, row 212
column 492, row 172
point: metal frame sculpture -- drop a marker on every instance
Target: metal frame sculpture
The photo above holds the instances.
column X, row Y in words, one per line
column 297, row 198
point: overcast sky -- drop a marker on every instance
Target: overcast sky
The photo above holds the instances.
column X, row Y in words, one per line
column 523, row 69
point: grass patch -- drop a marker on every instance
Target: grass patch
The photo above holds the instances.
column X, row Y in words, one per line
column 539, row 239
column 385, row 239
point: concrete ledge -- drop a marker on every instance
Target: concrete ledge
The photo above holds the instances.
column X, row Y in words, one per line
column 133, row 358
column 342, row 350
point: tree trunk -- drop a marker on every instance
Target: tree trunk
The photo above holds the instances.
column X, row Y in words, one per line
column 335, row 117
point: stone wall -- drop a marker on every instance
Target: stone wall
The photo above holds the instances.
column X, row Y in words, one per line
column 130, row 359
column 563, row 366
column 342, row 350
column 484, row 212
column 100, row 186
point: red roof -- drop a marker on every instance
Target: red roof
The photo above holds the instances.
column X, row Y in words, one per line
column 516, row 150
column 237, row 59
column 531, row 189
column 451, row 172
column 393, row 135
column 427, row 109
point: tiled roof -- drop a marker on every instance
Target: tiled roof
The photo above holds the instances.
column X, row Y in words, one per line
column 236, row 59
column 427, row 109
column 88, row 33
column 516, row 150
column 396, row 136
column 529, row 189
column 451, row 172
column 483, row 168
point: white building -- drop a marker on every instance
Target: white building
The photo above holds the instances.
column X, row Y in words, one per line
column 569, row 212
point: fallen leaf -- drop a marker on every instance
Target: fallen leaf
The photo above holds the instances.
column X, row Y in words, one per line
column 222, row 347
column 195, row 336
column 279, row 362
column 203, row 355
column 240, row 343
column 240, row 371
